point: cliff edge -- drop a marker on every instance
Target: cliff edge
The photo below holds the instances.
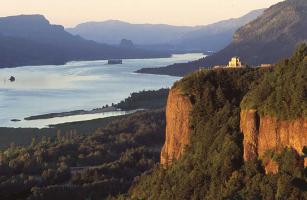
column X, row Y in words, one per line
column 177, row 126
column 264, row 133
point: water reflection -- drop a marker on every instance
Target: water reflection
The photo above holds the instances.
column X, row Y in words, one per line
column 82, row 85
column 42, row 123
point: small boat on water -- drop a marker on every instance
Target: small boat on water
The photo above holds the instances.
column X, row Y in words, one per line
column 12, row 79
column 115, row 61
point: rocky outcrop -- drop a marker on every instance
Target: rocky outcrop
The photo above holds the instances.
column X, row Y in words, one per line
column 250, row 127
column 260, row 133
column 177, row 126
column 267, row 133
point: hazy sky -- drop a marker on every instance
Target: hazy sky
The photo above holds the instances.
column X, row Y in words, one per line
column 177, row 12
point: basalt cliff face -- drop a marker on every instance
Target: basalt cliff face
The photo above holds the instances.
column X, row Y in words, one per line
column 260, row 133
column 177, row 126
column 267, row 133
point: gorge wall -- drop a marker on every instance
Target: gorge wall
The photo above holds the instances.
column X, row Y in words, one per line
column 260, row 133
column 267, row 133
column 177, row 126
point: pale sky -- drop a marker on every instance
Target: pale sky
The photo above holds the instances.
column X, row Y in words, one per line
column 176, row 12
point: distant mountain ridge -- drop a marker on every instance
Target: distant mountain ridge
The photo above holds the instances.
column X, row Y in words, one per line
column 216, row 36
column 113, row 31
column 203, row 38
column 32, row 40
column 267, row 39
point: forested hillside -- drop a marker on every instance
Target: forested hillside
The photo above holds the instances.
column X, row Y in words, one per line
column 282, row 94
column 213, row 166
column 77, row 166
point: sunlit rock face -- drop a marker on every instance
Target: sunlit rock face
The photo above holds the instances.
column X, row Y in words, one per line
column 177, row 126
column 267, row 133
column 250, row 127
column 261, row 133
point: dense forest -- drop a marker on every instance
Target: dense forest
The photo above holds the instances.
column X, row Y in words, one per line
column 147, row 99
column 282, row 94
column 212, row 166
column 23, row 136
column 77, row 166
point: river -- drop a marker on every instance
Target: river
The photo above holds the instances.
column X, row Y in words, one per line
column 74, row 86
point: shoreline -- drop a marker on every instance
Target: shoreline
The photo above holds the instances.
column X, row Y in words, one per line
column 73, row 113
column 71, row 61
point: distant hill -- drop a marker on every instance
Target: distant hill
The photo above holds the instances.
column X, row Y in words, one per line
column 161, row 36
column 269, row 38
column 32, row 40
column 21, row 52
column 215, row 36
column 113, row 31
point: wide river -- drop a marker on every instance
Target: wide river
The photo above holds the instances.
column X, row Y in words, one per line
column 76, row 85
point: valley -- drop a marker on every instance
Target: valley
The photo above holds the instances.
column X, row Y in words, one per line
column 139, row 109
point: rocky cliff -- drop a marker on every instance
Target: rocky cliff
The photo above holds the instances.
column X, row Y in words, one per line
column 273, row 110
column 249, row 124
column 177, row 126
column 267, row 133
column 260, row 133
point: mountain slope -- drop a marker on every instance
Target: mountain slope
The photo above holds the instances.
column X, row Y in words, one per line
column 20, row 52
column 269, row 38
column 205, row 38
column 273, row 36
column 113, row 31
column 53, row 44
column 215, row 36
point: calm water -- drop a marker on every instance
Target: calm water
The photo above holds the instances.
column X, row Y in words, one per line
column 76, row 85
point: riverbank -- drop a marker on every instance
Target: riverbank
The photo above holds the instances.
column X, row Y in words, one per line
column 72, row 113
column 24, row 136
column 142, row 100
column 76, row 86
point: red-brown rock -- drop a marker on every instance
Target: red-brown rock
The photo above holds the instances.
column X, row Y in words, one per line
column 267, row 133
column 177, row 126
